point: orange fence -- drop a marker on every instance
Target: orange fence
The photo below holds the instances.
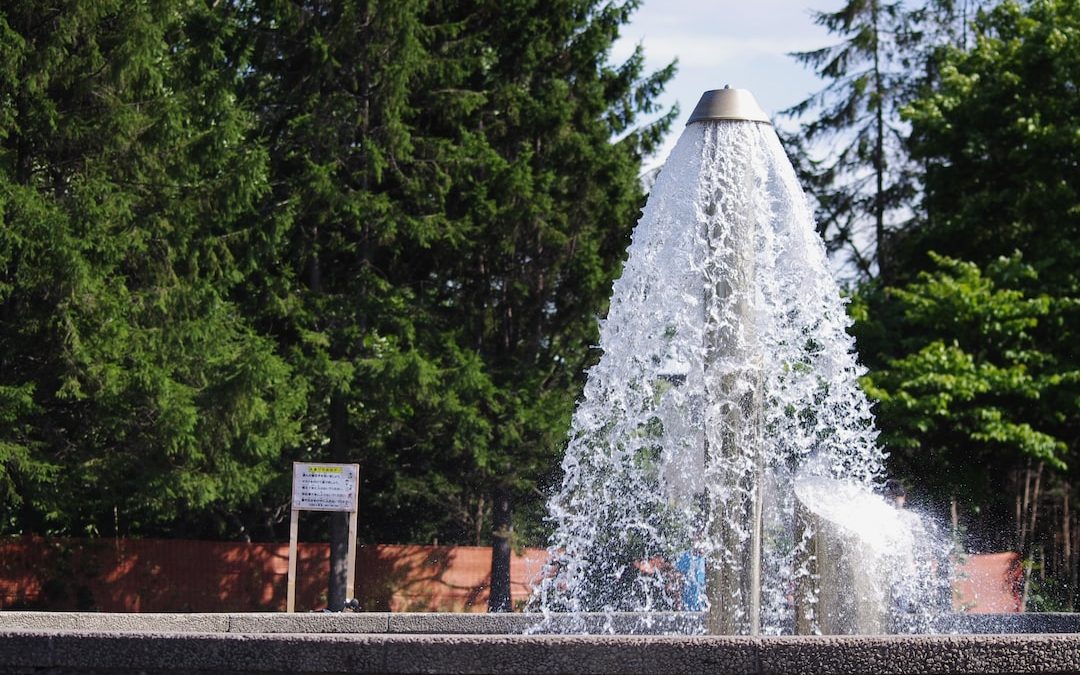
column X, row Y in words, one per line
column 989, row 582
column 154, row 575
column 151, row 575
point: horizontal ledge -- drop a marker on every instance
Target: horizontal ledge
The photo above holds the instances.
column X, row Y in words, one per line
column 631, row 623
column 71, row 651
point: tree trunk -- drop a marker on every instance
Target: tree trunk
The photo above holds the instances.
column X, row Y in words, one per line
column 502, row 529
column 879, row 154
column 339, row 520
column 1068, row 561
column 479, row 521
column 1027, row 550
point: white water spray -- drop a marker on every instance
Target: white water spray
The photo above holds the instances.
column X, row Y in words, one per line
column 726, row 372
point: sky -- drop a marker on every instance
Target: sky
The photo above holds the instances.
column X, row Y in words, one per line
column 741, row 43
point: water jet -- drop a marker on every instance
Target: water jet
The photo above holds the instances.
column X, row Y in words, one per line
column 726, row 373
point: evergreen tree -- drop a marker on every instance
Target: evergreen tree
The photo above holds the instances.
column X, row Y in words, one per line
column 136, row 397
column 341, row 283
column 546, row 201
column 414, row 148
column 865, row 182
column 242, row 234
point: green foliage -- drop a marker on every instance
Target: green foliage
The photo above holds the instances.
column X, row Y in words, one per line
column 996, row 136
column 962, row 383
column 852, row 152
column 972, row 343
column 337, row 274
column 132, row 385
column 1000, row 133
column 456, row 209
column 242, row 233
column 547, row 201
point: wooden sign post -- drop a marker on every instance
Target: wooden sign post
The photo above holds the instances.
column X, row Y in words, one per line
column 323, row 487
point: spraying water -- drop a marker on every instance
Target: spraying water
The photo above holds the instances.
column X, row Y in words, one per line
column 727, row 375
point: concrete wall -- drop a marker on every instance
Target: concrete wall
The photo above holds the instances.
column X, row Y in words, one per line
column 626, row 623
column 456, row 643
column 117, row 652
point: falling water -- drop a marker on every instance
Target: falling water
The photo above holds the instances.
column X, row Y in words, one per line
column 726, row 374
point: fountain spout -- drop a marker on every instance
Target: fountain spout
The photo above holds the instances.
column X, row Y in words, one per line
column 728, row 104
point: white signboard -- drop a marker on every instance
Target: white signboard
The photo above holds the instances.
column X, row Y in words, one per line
column 322, row 487
column 325, row 487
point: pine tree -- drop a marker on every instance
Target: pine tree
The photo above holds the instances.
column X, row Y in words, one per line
column 865, row 180
column 138, row 398
column 339, row 287
column 448, row 211
column 545, row 200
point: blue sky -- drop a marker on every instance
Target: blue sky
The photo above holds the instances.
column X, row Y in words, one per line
column 742, row 43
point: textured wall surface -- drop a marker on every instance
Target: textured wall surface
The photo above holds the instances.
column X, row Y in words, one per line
column 476, row 643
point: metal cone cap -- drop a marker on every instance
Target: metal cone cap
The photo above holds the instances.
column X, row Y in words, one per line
column 728, row 104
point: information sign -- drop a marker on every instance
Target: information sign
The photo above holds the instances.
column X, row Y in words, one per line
column 324, row 487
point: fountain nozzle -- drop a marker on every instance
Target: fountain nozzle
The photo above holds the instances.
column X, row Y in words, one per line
column 728, row 104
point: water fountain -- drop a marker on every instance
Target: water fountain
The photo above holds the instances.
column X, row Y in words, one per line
column 727, row 381
column 722, row 425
